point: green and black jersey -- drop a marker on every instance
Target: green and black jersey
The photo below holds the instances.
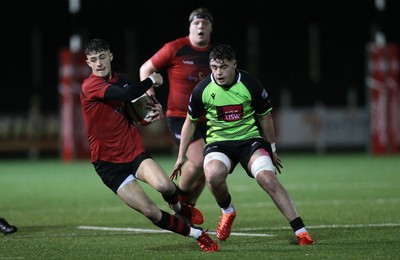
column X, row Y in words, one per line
column 231, row 111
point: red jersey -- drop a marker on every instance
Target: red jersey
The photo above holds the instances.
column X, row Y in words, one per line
column 112, row 137
column 186, row 66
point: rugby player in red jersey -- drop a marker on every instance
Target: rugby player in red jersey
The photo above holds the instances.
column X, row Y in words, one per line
column 186, row 62
column 117, row 151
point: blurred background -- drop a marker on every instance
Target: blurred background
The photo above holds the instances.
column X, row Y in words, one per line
column 330, row 66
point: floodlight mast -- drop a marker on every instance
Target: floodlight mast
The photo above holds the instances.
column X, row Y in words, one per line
column 379, row 35
column 75, row 39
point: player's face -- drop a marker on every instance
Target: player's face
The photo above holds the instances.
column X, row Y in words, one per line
column 100, row 62
column 223, row 71
column 200, row 32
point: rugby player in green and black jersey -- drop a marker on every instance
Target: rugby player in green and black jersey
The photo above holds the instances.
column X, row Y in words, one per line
column 240, row 129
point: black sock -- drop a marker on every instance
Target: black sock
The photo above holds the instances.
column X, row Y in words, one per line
column 173, row 198
column 224, row 204
column 297, row 224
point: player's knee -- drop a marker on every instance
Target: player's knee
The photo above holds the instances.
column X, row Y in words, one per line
column 214, row 175
column 215, row 180
column 165, row 187
column 216, row 168
column 268, row 182
column 193, row 168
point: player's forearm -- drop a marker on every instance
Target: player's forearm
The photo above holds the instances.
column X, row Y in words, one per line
column 267, row 124
column 270, row 134
column 151, row 92
column 128, row 93
column 187, row 132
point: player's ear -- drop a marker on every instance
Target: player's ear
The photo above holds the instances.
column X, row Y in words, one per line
column 111, row 56
column 235, row 64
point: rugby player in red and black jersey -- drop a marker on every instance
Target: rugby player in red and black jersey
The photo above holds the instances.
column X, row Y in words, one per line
column 186, row 62
column 117, row 151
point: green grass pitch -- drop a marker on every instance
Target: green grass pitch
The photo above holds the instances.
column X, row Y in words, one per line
column 349, row 202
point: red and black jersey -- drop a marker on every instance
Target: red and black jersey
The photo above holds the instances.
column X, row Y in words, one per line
column 186, row 66
column 112, row 137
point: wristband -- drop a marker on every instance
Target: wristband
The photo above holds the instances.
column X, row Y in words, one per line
column 273, row 147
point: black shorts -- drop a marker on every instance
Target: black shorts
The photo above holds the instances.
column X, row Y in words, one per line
column 239, row 151
column 175, row 125
column 114, row 174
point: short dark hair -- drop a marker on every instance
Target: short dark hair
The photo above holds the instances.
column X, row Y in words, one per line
column 223, row 52
column 202, row 13
column 96, row 46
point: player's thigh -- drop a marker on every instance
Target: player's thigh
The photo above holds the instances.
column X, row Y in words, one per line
column 151, row 172
column 194, row 153
column 135, row 197
column 216, row 166
column 261, row 162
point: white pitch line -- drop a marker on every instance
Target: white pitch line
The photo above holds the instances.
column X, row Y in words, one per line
column 140, row 230
column 327, row 226
column 155, row 231
column 358, row 225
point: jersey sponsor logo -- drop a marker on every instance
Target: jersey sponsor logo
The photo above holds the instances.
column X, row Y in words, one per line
column 190, row 62
column 230, row 113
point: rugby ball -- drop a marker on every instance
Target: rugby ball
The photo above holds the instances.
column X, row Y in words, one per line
column 137, row 110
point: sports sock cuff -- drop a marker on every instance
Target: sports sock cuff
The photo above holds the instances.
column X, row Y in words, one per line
column 296, row 224
column 301, row 230
column 195, row 232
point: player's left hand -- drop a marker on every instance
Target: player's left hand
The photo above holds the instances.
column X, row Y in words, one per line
column 277, row 162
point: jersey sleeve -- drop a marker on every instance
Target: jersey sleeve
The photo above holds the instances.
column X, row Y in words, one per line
column 94, row 88
column 261, row 100
column 164, row 56
column 196, row 106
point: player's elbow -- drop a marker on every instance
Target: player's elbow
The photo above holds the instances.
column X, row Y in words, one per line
column 146, row 69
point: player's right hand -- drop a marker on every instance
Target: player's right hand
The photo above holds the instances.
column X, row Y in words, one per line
column 177, row 170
